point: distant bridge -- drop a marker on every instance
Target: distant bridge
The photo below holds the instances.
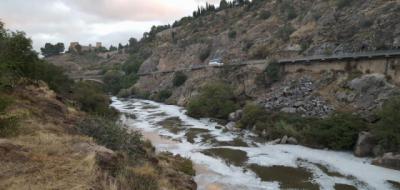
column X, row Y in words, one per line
column 318, row 58
column 91, row 78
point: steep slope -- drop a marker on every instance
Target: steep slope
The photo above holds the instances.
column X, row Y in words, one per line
column 264, row 30
column 47, row 151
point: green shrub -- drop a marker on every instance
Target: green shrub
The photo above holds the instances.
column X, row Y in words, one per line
column 93, row 100
column 342, row 3
column 204, row 54
column 113, row 136
column 253, row 114
column 339, row 132
column 284, row 32
column 112, row 80
column 162, row 96
column 259, row 52
column 264, row 14
column 8, row 124
column 388, row 128
column 215, row 100
column 179, row 79
column 141, row 178
column 186, row 166
column 232, row 34
column 274, row 71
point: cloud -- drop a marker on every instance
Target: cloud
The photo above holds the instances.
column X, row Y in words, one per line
column 88, row 21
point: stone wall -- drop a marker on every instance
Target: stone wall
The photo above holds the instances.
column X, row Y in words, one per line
column 387, row 66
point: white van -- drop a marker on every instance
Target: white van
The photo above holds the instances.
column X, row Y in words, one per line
column 216, row 62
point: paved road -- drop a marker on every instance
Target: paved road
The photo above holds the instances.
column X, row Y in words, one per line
column 317, row 58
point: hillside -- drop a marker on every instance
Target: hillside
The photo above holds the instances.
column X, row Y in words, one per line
column 264, row 30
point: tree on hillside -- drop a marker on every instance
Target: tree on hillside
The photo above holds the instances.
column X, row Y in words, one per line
column 223, row 4
column 113, row 48
column 51, row 50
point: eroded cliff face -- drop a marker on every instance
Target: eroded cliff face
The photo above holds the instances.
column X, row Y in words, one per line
column 265, row 30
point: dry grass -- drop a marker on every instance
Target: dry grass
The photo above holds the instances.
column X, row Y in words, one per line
column 42, row 156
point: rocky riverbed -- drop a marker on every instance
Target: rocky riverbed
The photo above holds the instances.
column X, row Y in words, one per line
column 226, row 159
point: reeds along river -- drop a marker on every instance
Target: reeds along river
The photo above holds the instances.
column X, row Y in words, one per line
column 229, row 160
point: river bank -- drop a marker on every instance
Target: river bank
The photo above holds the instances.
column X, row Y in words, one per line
column 235, row 160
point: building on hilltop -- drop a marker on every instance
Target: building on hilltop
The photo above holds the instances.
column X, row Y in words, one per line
column 76, row 47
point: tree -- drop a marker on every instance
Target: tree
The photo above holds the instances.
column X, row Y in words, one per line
column 223, row 4
column 113, row 48
column 120, row 48
column 51, row 50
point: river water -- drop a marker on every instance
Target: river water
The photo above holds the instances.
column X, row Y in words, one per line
column 236, row 160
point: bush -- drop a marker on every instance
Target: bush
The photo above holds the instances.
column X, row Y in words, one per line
column 388, row 128
column 162, row 96
column 186, row 166
column 264, row 14
column 92, row 100
column 338, row 132
column 113, row 136
column 285, row 32
column 342, row 3
column 260, row 52
column 215, row 100
column 8, row 124
column 252, row 114
column 232, row 34
column 274, row 71
column 205, row 54
column 179, row 79
column 112, row 80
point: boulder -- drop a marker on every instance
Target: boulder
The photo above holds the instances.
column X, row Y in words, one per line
column 288, row 110
column 284, row 140
column 231, row 125
column 235, row 116
column 388, row 160
column 232, row 116
column 365, row 144
column 276, row 141
column 292, row 140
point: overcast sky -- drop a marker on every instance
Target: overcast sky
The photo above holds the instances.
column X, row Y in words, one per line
column 89, row 21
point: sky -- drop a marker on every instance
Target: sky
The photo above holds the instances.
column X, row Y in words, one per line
column 91, row 21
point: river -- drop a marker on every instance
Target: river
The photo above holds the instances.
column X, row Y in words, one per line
column 232, row 160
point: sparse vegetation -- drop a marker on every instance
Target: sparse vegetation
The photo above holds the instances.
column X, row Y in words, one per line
column 284, row 32
column 215, row 100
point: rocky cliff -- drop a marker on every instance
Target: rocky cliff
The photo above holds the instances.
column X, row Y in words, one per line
column 268, row 30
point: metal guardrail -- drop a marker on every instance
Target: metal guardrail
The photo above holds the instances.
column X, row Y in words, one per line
column 239, row 62
column 360, row 55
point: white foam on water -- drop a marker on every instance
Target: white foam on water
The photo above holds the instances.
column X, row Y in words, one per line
column 367, row 176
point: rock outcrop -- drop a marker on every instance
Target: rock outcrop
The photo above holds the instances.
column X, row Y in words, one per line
column 388, row 160
column 365, row 145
